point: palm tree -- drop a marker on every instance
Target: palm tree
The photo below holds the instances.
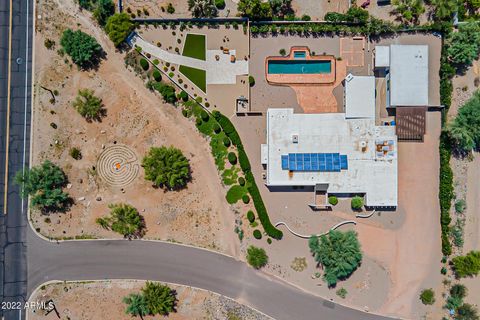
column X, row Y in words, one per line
column 136, row 305
column 202, row 8
column 159, row 298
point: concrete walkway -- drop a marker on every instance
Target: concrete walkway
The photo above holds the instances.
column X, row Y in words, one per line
column 221, row 71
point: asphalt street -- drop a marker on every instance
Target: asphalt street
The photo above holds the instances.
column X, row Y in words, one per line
column 13, row 226
column 123, row 259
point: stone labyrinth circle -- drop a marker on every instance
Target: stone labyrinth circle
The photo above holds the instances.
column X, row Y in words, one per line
column 118, row 165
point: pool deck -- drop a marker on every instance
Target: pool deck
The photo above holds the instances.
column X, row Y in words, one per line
column 312, row 78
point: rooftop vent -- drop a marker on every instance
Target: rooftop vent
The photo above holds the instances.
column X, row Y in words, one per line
column 295, row 138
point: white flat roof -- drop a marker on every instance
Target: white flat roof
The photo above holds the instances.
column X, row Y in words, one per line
column 382, row 56
column 369, row 171
column 360, row 96
column 409, row 75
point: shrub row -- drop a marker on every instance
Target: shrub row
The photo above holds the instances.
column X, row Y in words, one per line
column 232, row 133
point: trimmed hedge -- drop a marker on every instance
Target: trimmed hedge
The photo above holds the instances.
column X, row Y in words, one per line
column 257, row 234
column 232, row 158
column 226, row 142
column 216, row 128
column 333, row 200
column 241, row 181
column 243, row 159
column 446, row 192
column 144, row 64
column 245, row 198
column 157, row 75
column 250, row 216
column 204, row 115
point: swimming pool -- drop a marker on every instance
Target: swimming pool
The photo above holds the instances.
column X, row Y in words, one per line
column 299, row 67
column 299, row 54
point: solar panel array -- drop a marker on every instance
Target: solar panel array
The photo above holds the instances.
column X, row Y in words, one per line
column 325, row 162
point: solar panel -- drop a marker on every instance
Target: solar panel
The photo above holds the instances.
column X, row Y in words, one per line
column 326, row 162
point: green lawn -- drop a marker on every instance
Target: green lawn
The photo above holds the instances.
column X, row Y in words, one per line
column 197, row 76
column 195, row 46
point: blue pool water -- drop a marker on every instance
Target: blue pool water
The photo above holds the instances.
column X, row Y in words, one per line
column 299, row 67
column 299, row 54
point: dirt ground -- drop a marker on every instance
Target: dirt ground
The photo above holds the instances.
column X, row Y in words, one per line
column 136, row 118
column 103, row 300
column 317, row 9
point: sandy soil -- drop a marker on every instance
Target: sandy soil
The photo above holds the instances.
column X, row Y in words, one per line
column 136, row 118
column 317, row 9
column 103, row 300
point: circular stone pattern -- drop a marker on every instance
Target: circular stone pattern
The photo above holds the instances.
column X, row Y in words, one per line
column 118, row 165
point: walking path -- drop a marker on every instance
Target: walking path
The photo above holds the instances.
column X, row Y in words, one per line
column 218, row 65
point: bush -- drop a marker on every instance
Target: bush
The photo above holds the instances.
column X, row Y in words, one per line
column 167, row 92
column 156, row 62
column 88, row 105
column 49, row 43
column 118, row 28
column 269, row 241
column 256, row 257
column 468, row 265
column 204, row 115
column 232, row 158
column 257, row 234
column 464, row 45
column 220, row 4
column 216, row 128
column 464, row 130
column 234, row 194
column 445, row 193
column 103, row 10
column 166, row 166
column 144, row 64
column 241, row 181
column 75, row 153
column 81, row 47
column 44, row 184
column 427, row 296
column 183, row 96
column 157, row 75
column 251, row 81
column 282, row 52
column 250, row 216
column 245, row 198
column 443, row 271
column 338, row 252
column 458, row 290
column 466, row 312
column 170, row 8
column 460, row 206
column 342, row 293
column 123, row 219
column 226, row 142
column 333, row 200
column 357, row 203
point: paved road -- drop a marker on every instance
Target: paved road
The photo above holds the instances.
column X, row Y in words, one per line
column 179, row 264
column 114, row 259
column 13, row 226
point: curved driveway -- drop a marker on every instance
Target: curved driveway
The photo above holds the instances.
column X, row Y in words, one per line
column 123, row 259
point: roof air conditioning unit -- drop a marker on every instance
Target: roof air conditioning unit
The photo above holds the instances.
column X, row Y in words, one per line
column 295, row 138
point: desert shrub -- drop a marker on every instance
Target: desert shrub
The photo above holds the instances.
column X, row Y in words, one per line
column 460, row 206
column 234, row 194
column 282, row 52
column 338, row 252
column 220, row 4
column 136, row 305
column 198, row 121
column 171, row 74
column 204, row 115
column 216, row 128
column 157, row 75
column 88, row 105
column 241, row 181
column 167, row 92
column 357, row 203
column 464, row 130
column 144, row 64
column 166, row 166
column 118, row 27
column 256, row 257
column 427, row 296
column 75, row 153
column 44, row 184
column 226, row 142
column 170, row 8
column 250, row 216
column 443, row 271
column 184, row 96
column 81, row 47
column 464, row 45
column 342, row 293
column 49, row 43
column 466, row 312
column 257, row 234
column 269, row 241
column 333, row 200
column 103, row 10
column 245, row 198
column 123, row 219
column 458, row 290
column 468, row 265
column 156, row 62
column 445, row 193
column 232, row 158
